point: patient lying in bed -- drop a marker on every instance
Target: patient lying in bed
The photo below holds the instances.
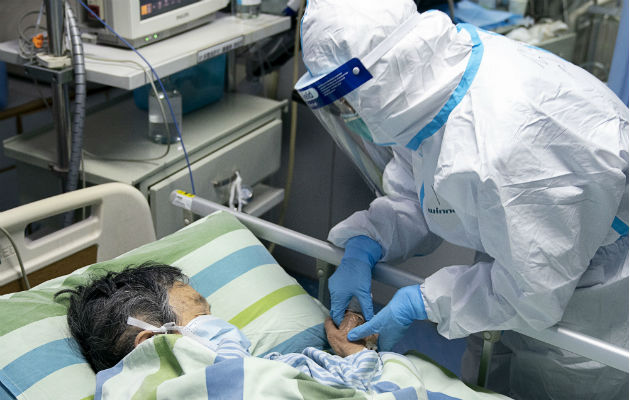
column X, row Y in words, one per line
column 123, row 324
column 159, row 300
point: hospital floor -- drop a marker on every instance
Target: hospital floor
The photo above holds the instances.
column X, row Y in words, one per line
column 421, row 336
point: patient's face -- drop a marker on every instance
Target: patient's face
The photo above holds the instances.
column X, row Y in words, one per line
column 187, row 303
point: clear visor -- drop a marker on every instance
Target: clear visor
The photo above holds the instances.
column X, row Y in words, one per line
column 351, row 134
column 326, row 95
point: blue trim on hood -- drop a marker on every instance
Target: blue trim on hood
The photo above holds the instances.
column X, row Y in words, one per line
column 460, row 91
column 620, row 226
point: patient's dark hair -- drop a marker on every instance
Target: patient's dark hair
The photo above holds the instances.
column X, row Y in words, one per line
column 98, row 311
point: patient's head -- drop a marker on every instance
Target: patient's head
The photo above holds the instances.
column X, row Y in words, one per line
column 154, row 293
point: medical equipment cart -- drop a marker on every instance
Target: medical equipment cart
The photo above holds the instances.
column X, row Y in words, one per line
column 239, row 133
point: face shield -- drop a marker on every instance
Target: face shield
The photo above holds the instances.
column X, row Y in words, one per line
column 328, row 97
column 352, row 135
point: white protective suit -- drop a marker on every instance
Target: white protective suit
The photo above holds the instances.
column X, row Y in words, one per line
column 505, row 149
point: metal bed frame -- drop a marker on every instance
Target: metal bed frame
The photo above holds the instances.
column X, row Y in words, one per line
column 330, row 256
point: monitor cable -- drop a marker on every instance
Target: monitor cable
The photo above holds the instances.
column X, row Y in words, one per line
column 293, row 133
column 157, row 78
column 160, row 103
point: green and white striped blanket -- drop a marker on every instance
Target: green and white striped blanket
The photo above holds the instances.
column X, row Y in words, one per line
column 176, row 367
column 245, row 286
column 226, row 264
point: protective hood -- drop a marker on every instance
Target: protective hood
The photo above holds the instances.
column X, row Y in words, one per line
column 411, row 82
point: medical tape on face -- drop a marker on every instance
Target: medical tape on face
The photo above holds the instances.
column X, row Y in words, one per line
column 169, row 326
column 390, row 41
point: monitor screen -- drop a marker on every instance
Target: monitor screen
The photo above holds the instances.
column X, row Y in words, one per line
column 151, row 8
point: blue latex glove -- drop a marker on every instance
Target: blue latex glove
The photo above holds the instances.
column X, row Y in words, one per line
column 353, row 277
column 393, row 320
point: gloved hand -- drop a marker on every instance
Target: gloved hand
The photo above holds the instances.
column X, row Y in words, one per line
column 393, row 320
column 353, row 277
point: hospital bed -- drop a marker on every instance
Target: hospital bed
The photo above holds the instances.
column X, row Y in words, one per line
column 557, row 335
column 39, row 360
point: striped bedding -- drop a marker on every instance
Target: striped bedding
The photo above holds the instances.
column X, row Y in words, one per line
column 226, row 264
column 176, row 367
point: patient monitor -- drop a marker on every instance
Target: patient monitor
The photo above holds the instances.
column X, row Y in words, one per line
column 142, row 22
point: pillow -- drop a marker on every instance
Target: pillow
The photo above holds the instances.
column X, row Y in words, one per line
column 225, row 262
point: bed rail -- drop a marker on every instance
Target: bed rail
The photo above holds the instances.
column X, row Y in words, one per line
column 557, row 335
column 120, row 220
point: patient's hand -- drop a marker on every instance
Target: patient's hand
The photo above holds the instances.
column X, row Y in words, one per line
column 338, row 337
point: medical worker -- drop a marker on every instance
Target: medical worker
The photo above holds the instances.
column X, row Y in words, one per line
column 496, row 146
